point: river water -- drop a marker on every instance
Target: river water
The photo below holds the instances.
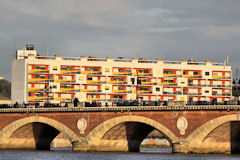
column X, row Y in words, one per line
column 146, row 154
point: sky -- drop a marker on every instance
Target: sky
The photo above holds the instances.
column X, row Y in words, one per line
column 166, row 29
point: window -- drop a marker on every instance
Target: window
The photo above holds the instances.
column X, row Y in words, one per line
column 195, row 73
column 120, row 70
column 145, row 71
column 168, row 72
column 55, row 68
column 207, row 73
column 128, row 70
column 184, row 72
column 157, row 89
column 117, row 79
column 89, row 78
column 93, row 69
column 92, row 96
column 29, row 94
column 206, row 91
column 215, row 73
column 117, row 97
column 120, row 87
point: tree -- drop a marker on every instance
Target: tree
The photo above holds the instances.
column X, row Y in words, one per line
column 5, row 88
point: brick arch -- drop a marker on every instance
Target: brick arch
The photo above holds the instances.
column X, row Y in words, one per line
column 197, row 136
column 97, row 133
column 7, row 131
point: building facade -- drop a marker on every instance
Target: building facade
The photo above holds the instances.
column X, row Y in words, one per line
column 37, row 79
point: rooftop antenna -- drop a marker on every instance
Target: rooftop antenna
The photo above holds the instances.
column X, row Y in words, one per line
column 227, row 60
column 237, row 78
column 47, row 50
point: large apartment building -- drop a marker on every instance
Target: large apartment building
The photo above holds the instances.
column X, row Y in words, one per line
column 38, row 78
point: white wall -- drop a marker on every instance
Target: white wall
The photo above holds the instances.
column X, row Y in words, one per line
column 18, row 88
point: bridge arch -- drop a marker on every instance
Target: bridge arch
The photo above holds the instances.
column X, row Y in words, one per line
column 198, row 136
column 94, row 137
column 7, row 131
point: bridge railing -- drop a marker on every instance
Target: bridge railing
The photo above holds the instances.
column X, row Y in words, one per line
column 134, row 103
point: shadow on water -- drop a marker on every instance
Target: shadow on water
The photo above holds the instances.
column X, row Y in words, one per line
column 156, row 150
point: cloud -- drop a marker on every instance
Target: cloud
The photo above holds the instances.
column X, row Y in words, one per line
column 130, row 28
column 221, row 32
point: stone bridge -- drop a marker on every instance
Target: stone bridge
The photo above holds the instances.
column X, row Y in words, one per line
column 192, row 129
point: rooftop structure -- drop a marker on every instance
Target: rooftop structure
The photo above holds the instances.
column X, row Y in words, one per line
column 37, row 79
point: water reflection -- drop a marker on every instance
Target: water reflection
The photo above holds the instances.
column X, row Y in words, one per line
column 69, row 155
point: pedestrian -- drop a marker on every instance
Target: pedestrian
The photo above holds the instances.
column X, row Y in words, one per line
column 75, row 102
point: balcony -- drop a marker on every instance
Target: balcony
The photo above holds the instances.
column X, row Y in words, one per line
column 69, row 90
column 148, row 83
column 121, row 73
column 117, row 82
column 91, row 72
column 192, row 94
column 167, row 84
column 142, row 74
column 38, row 71
column 171, row 75
column 192, row 76
column 40, row 80
column 91, row 90
column 36, row 89
column 172, row 93
column 221, row 94
column 93, row 99
column 65, row 80
column 221, row 77
column 62, row 98
column 95, row 82
column 37, row 98
column 70, row 72
column 142, row 91
column 121, row 91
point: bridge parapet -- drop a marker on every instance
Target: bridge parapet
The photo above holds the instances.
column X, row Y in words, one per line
column 124, row 109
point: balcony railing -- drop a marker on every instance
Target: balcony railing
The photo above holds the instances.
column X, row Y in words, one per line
column 221, row 94
column 38, row 71
column 172, row 93
column 36, row 89
column 69, row 72
column 167, row 83
column 121, row 91
column 121, row 73
column 172, row 75
column 93, row 99
column 92, row 81
column 40, row 80
column 91, row 72
column 117, row 82
column 65, row 80
column 91, row 90
column 149, row 83
column 207, row 85
column 221, row 77
column 142, row 91
column 192, row 94
column 195, row 76
column 37, row 98
column 69, row 90
column 62, row 98
column 142, row 74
